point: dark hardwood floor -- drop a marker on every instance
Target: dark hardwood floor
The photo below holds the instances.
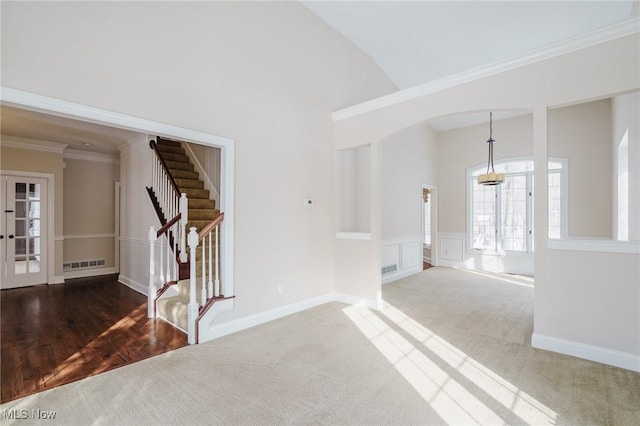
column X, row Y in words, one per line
column 52, row 335
column 426, row 265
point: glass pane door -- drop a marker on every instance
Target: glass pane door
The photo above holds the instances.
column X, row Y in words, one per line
column 25, row 223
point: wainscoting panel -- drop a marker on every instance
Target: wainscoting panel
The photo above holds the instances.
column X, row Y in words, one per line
column 401, row 258
column 452, row 246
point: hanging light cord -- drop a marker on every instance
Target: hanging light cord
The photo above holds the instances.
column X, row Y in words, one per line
column 490, row 142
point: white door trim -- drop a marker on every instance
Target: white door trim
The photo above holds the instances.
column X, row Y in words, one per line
column 434, row 221
column 116, row 239
column 51, row 186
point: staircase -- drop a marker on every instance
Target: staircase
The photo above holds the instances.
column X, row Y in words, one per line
column 202, row 210
column 173, row 298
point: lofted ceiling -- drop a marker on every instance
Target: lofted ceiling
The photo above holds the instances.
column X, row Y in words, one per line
column 415, row 42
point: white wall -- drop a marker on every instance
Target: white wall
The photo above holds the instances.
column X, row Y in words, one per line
column 581, row 133
column 265, row 74
column 407, row 162
column 137, row 213
column 570, row 296
column 209, row 158
column 625, row 110
column 89, row 211
column 355, row 190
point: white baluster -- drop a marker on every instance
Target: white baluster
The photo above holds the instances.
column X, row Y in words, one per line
column 184, row 211
column 153, row 173
column 164, row 192
column 176, row 203
column 210, row 283
column 192, row 310
column 217, row 284
column 161, row 252
column 168, row 274
column 166, row 196
column 151, row 290
column 174, row 262
column 173, row 203
column 203, row 291
column 161, row 188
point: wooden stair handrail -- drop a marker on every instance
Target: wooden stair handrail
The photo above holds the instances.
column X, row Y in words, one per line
column 154, row 147
column 210, row 226
column 156, row 205
column 168, row 225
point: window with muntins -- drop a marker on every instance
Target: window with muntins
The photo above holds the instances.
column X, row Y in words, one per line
column 501, row 216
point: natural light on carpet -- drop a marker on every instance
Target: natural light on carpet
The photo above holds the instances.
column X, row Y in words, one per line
column 450, row 399
column 515, row 279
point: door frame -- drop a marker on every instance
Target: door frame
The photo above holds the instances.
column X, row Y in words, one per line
column 53, row 106
column 433, row 198
column 51, row 239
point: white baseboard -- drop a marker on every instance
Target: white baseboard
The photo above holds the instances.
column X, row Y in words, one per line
column 240, row 324
column 375, row 305
column 452, row 264
column 133, row 284
column 592, row 353
column 263, row 317
column 426, row 259
column 83, row 273
column 58, row 279
column 386, row 279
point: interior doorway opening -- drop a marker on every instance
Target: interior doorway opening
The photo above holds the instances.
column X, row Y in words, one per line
column 429, row 225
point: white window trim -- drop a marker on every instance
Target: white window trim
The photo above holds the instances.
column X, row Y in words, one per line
column 564, row 200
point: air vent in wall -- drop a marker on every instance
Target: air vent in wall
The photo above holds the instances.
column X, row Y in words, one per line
column 388, row 269
column 84, row 264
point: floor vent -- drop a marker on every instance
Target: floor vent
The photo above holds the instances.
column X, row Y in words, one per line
column 388, row 269
column 84, row 264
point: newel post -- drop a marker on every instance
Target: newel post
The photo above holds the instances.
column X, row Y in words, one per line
column 192, row 309
column 184, row 218
column 151, row 290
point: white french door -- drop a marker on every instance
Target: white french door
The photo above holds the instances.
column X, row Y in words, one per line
column 23, row 231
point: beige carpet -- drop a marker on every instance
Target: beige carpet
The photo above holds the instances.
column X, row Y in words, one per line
column 451, row 347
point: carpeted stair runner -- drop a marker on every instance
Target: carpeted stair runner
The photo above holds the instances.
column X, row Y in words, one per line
column 202, row 210
column 174, row 309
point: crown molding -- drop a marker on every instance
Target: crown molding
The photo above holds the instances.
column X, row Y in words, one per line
column 74, row 154
column 602, row 35
column 32, row 144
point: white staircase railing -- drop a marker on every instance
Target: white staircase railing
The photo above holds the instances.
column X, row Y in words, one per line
column 208, row 240
column 167, row 269
column 165, row 188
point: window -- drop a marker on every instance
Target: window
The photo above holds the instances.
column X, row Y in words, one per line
column 501, row 216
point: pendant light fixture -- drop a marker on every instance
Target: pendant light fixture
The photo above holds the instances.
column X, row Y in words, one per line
column 491, row 177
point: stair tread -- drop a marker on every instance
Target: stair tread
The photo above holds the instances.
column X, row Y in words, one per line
column 200, row 204
column 177, row 165
column 168, row 142
column 184, row 174
column 169, row 156
column 196, row 193
column 189, row 183
column 162, row 148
